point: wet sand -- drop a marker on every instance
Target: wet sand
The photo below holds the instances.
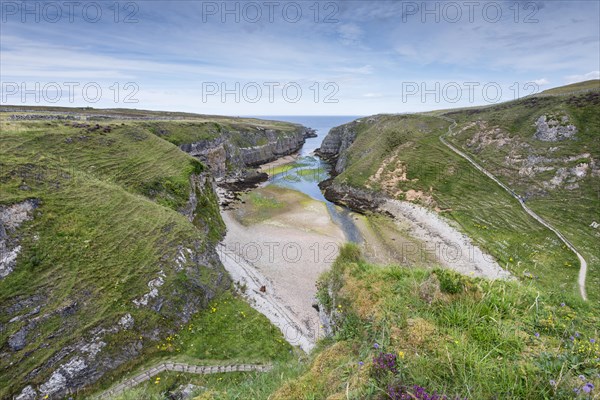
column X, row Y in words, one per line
column 286, row 253
column 268, row 167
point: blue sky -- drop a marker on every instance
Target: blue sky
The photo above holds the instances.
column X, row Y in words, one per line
column 352, row 58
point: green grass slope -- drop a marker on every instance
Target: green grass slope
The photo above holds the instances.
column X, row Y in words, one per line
column 402, row 157
column 574, row 87
column 176, row 127
column 401, row 332
column 240, row 130
column 229, row 332
column 559, row 179
column 480, row 208
column 108, row 227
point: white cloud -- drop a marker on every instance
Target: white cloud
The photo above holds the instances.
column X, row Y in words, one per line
column 364, row 70
column 585, row 77
column 541, row 82
column 369, row 55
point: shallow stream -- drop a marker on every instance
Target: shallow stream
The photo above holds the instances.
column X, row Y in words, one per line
column 305, row 174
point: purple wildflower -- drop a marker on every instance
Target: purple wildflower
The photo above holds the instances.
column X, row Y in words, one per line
column 582, row 377
column 552, row 382
column 571, row 338
column 385, row 362
column 562, row 304
column 537, row 334
column 577, row 334
column 376, row 345
column 360, row 363
column 401, row 392
column 592, row 340
column 588, row 387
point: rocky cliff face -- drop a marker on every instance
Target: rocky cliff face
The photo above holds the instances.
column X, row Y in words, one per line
column 554, row 128
column 334, row 149
column 232, row 152
column 215, row 153
column 356, row 199
column 276, row 147
column 60, row 336
column 335, row 144
column 111, row 344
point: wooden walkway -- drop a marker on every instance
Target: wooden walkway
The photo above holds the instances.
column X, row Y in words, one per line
column 180, row 367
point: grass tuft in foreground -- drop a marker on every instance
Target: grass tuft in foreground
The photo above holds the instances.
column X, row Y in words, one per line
column 411, row 333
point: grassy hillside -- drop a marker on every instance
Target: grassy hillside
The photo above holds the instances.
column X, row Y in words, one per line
column 108, row 231
column 411, row 333
column 229, row 332
column 574, row 87
column 402, row 157
column 403, row 332
column 175, row 127
column 227, row 386
column 240, row 130
column 559, row 179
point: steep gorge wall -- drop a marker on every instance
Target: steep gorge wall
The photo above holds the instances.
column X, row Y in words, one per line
column 60, row 336
column 336, row 144
column 190, row 276
column 232, row 152
column 334, row 149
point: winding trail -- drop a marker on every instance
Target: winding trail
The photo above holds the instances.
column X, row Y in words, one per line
column 582, row 262
column 179, row 367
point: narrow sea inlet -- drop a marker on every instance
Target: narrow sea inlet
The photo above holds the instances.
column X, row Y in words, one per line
column 284, row 234
column 305, row 173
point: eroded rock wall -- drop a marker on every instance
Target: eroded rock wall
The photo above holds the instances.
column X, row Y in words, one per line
column 232, row 152
column 336, row 144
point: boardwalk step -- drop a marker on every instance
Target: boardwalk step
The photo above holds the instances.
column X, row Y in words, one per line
column 149, row 373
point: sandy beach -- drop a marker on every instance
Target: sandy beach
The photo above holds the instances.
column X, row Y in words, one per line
column 279, row 241
column 285, row 253
column 269, row 167
column 448, row 246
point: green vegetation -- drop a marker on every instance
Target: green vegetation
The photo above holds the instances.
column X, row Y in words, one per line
column 445, row 332
column 185, row 132
column 575, row 87
column 402, row 157
column 312, row 174
column 110, row 221
column 284, row 168
column 481, row 209
column 228, row 386
column 572, row 204
column 387, row 240
column 228, row 332
column 280, row 169
column 266, row 203
column 377, row 141
column 107, row 218
column 448, row 333
column 243, row 132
